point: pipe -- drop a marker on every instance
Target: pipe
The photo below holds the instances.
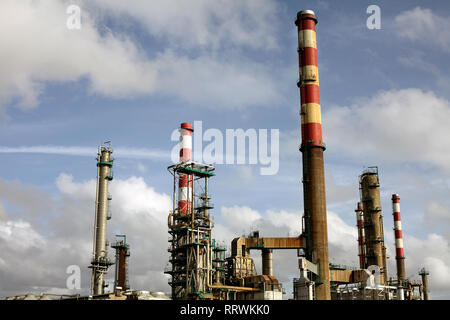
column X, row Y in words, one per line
column 399, row 254
column 312, row 149
column 267, row 262
column 361, row 236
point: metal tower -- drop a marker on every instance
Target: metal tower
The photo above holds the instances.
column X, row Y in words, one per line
column 122, row 254
column 190, row 225
column 100, row 261
column 373, row 221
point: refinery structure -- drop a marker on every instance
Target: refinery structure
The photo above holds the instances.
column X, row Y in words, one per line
column 199, row 267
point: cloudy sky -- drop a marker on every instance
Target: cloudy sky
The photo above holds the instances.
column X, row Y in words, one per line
column 135, row 71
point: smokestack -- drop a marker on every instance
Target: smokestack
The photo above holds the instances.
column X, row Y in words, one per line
column 361, row 236
column 185, row 181
column 424, row 273
column 312, row 148
column 399, row 254
column 100, row 261
column 373, row 221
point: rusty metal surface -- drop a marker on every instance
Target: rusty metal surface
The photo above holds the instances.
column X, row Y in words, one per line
column 316, row 217
column 341, row 276
column 232, row 288
column 255, row 243
column 267, row 262
column 373, row 223
column 425, row 285
column 349, row 276
column 122, row 269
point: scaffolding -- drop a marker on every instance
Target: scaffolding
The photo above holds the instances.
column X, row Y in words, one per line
column 191, row 245
column 219, row 263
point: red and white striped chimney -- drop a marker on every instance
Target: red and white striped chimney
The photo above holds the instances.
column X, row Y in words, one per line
column 361, row 236
column 185, row 181
column 399, row 254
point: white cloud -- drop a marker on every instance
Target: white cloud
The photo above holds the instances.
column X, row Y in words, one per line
column 21, row 234
column 437, row 212
column 433, row 253
column 407, row 125
column 203, row 23
column 239, row 218
column 341, row 240
column 228, row 82
column 292, row 221
column 39, row 252
column 39, row 49
column 65, row 184
column 135, row 196
column 424, row 26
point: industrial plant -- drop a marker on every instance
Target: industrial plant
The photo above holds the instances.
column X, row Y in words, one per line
column 199, row 267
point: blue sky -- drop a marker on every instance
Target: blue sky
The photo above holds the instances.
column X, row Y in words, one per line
column 134, row 72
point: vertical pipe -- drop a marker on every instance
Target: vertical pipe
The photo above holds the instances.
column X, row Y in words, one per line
column 399, row 254
column 267, row 262
column 312, row 148
column 116, row 273
column 100, row 261
column 361, row 236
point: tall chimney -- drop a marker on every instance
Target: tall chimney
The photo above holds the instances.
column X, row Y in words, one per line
column 312, row 148
column 185, row 181
column 399, row 254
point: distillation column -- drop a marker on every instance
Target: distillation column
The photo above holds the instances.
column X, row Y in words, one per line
column 361, row 236
column 373, row 221
column 100, row 261
column 312, row 148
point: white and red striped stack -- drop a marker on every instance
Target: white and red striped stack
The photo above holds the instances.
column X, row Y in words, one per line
column 185, row 181
column 399, row 254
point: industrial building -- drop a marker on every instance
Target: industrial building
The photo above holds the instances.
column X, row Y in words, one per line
column 193, row 250
column 199, row 268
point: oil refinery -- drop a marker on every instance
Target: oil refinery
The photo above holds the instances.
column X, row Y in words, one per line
column 199, row 265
